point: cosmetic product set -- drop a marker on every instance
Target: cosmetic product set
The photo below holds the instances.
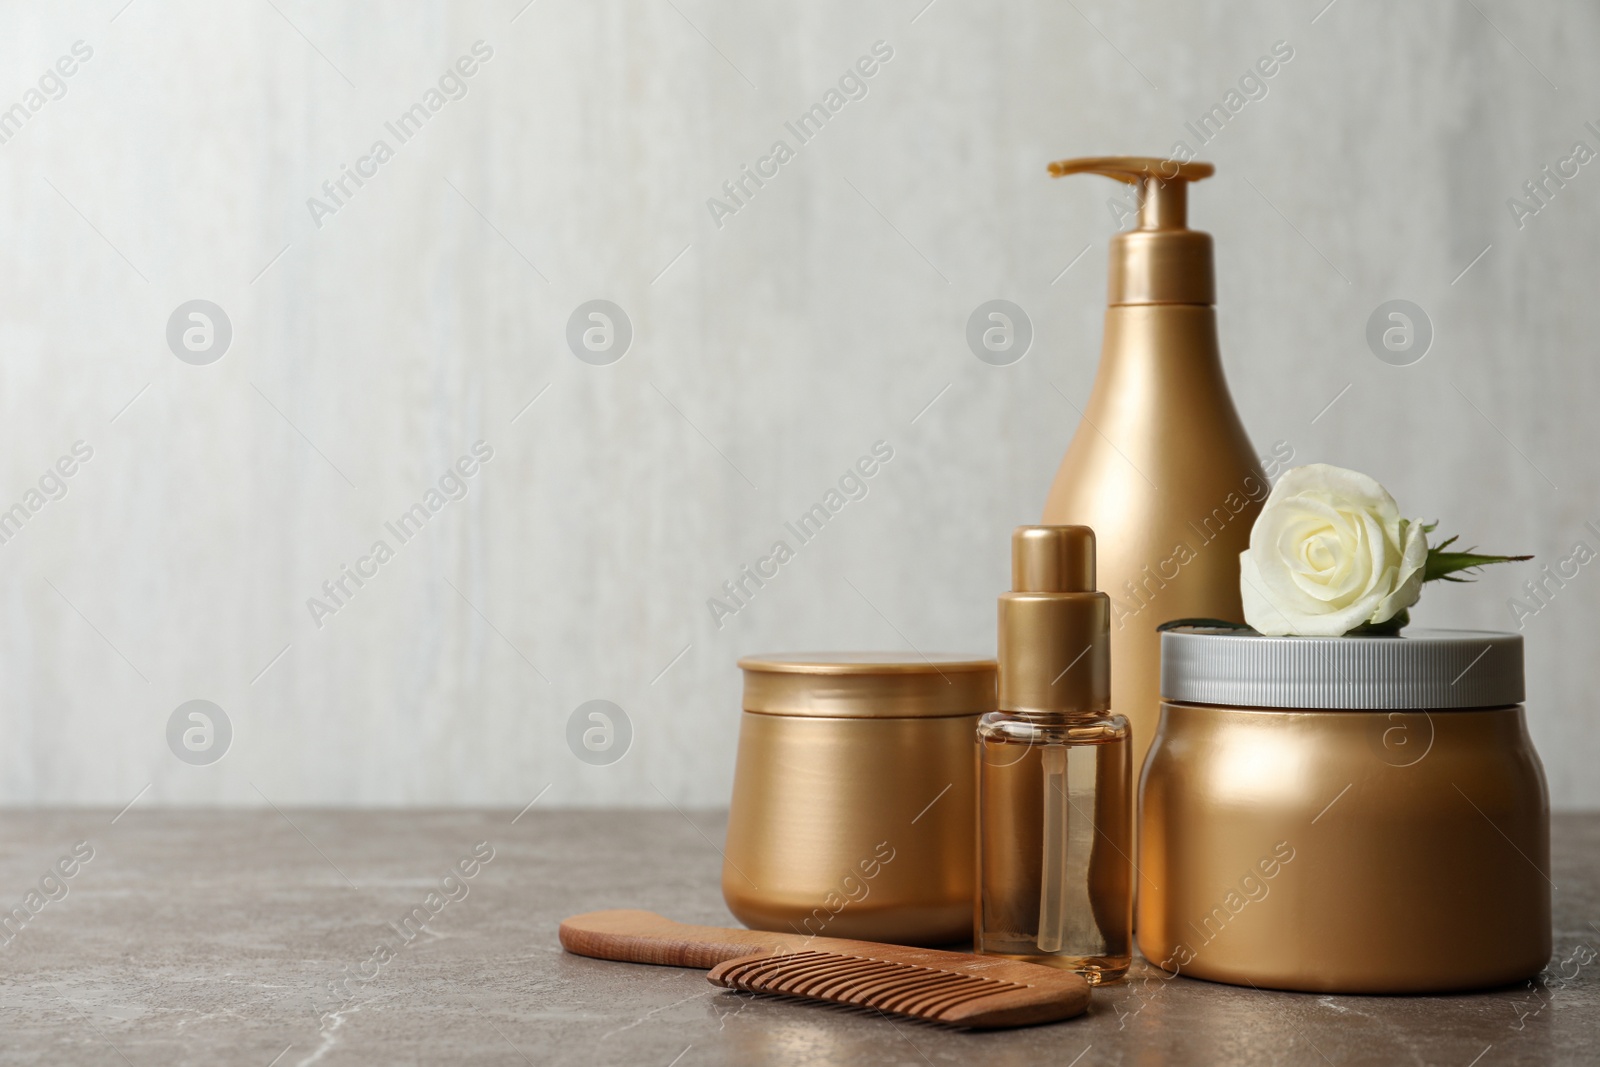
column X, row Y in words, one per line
column 1350, row 810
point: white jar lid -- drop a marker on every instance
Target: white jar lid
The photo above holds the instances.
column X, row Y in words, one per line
column 1419, row 669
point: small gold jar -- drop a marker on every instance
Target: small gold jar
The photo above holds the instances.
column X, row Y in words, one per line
column 853, row 796
column 1344, row 814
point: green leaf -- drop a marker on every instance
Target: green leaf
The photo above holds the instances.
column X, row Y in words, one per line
column 1215, row 624
column 1443, row 564
column 1383, row 629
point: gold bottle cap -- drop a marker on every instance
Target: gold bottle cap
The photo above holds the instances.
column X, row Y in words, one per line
column 1055, row 629
column 1162, row 261
column 868, row 685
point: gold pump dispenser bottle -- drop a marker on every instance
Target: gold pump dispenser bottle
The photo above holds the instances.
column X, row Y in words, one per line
column 1055, row 771
column 1160, row 466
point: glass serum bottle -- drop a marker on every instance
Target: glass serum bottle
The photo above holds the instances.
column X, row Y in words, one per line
column 1055, row 774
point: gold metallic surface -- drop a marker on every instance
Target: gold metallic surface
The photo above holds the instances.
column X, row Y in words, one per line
column 867, row 684
column 857, row 825
column 1161, row 261
column 1160, row 268
column 1052, row 559
column 1162, row 469
column 1310, row 851
column 1054, row 627
column 1133, row 169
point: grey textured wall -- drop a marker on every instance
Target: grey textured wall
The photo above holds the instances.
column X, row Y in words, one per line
column 373, row 343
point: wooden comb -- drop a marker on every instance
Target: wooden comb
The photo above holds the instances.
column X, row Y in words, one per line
column 984, row 992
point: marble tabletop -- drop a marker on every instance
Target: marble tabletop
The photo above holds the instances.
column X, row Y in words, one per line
column 271, row 939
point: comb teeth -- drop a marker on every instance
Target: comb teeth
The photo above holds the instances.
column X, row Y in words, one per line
column 902, row 988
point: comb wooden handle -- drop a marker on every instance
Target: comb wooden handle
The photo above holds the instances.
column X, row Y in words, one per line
column 644, row 937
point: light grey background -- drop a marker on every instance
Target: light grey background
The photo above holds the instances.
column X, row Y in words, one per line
column 768, row 354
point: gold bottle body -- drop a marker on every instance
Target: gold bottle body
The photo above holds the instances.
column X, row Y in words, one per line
column 1162, row 469
column 1056, row 794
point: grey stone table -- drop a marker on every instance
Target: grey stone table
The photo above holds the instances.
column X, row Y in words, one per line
column 253, row 937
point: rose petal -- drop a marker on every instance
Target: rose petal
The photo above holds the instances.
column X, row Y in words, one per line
column 1351, row 488
column 1259, row 610
column 1374, row 551
column 1334, row 585
column 1413, row 564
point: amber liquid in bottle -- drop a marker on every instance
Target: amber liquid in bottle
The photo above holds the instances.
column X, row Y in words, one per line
column 1055, row 842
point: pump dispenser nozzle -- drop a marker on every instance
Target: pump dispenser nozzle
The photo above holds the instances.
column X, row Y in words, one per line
column 1162, row 261
column 1055, row 629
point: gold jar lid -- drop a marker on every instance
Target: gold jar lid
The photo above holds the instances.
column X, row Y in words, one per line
column 868, row 685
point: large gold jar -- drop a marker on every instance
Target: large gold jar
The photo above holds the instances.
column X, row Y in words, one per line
column 853, row 797
column 1344, row 815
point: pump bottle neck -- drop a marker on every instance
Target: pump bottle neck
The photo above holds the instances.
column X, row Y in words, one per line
column 1161, row 261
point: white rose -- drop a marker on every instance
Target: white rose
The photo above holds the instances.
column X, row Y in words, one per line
column 1329, row 553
